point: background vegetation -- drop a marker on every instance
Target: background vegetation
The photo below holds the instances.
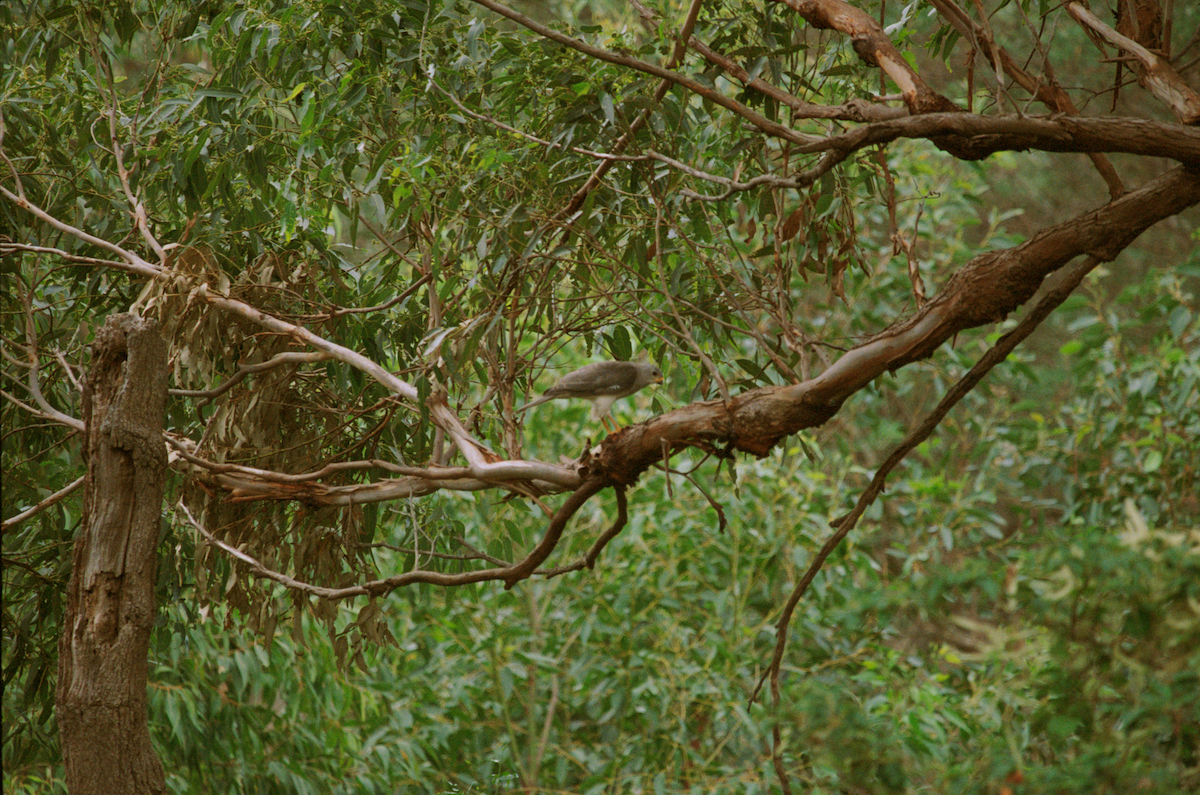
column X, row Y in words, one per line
column 1021, row 613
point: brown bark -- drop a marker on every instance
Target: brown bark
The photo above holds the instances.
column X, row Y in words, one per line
column 1141, row 21
column 102, row 666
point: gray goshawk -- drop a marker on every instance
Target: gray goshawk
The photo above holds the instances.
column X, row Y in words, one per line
column 603, row 383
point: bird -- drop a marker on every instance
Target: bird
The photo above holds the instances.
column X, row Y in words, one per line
column 603, row 383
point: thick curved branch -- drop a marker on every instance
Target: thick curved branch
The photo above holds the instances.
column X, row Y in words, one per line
column 976, row 137
column 979, row 136
column 589, row 488
column 588, row 561
column 983, row 291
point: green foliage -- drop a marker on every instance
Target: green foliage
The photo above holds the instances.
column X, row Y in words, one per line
column 1036, row 649
column 1021, row 608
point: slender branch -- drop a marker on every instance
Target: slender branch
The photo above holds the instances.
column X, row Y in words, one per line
column 262, row 571
column 642, row 119
column 855, row 110
column 475, row 553
column 247, row 484
column 133, row 262
column 278, row 360
column 8, row 247
column 61, row 419
column 510, row 575
column 34, row 377
column 588, row 561
column 366, row 310
column 68, row 370
column 621, row 59
column 801, row 180
column 844, row 524
column 43, row 505
column 137, row 207
column 1050, row 94
column 681, row 326
column 508, row 128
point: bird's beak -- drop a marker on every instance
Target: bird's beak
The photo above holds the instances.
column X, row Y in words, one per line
column 658, row 379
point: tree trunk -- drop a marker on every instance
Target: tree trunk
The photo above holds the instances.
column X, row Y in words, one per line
column 102, row 655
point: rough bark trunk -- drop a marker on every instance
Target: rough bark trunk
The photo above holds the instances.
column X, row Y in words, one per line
column 102, row 665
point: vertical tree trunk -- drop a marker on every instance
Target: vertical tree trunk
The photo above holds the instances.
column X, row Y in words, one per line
column 102, row 655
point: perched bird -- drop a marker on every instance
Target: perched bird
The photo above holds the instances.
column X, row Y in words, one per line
column 603, row 383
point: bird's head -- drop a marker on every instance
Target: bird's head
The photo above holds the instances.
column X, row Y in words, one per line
column 648, row 373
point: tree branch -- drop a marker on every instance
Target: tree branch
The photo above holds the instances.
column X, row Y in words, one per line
column 1048, row 93
column 510, row 575
column 440, row 412
column 43, row 505
column 588, row 561
column 983, row 291
column 980, row 136
column 844, row 524
column 278, row 360
column 855, row 110
column 874, row 48
column 1154, row 73
column 620, row 59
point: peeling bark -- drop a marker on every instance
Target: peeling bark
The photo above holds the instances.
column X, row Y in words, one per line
column 102, row 666
column 873, row 46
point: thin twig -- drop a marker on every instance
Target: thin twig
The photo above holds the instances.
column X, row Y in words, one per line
column 588, row 561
